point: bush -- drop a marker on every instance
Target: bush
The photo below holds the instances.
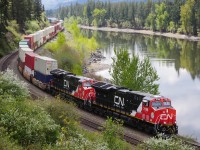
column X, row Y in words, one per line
column 126, row 24
column 13, row 35
column 6, row 143
column 64, row 114
column 32, row 26
column 27, row 123
column 113, row 135
column 180, row 31
column 82, row 143
column 159, row 143
column 11, row 85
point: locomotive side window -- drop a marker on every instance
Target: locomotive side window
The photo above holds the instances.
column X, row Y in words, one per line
column 66, row 83
column 145, row 103
column 167, row 104
column 86, row 84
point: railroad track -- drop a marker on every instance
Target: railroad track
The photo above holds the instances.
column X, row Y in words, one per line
column 5, row 63
column 96, row 126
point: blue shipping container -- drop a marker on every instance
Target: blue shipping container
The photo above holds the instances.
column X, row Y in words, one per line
column 41, row 77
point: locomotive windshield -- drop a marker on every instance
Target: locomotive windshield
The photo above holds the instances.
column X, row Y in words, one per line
column 156, row 104
column 86, row 84
column 166, row 104
column 161, row 104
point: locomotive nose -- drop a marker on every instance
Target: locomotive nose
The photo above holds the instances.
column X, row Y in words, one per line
column 168, row 116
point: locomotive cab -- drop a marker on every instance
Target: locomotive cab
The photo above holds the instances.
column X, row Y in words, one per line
column 84, row 90
column 160, row 112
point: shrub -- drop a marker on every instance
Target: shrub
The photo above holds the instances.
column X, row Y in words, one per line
column 80, row 142
column 11, row 85
column 126, row 24
column 113, row 135
column 159, row 143
column 27, row 123
column 60, row 111
column 6, row 143
column 13, row 28
column 32, row 26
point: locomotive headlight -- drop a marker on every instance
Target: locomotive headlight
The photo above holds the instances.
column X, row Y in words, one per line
column 152, row 115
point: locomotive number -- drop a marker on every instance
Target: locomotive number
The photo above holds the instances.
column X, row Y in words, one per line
column 119, row 101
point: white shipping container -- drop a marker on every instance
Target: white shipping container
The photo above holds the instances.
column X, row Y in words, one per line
column 51, row 29
column 23, row 52
column 28, row 70
column 45, row 64
column 34, row 37
column 23, row 46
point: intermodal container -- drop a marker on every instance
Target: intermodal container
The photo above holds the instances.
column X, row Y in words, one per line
column 31, row 40
column 45, row 64
column 23, row 46
column 28, row 73
column 41, row 77
column 23, row 43
column 30, row 60
column 21, row 64
column 22, row 53
column 28, row 70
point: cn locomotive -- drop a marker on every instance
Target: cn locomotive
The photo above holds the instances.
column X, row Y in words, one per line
column 152, row 113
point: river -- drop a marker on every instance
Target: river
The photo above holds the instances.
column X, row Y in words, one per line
column 177, row 63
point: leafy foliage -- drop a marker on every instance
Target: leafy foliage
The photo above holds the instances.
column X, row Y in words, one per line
column 113, row 134
column 72, row 52
column 6, row 143
column 13, row 28
column 10, row 85
column 186, row 16
column 133, row 73
column 161, row 17
column 24, row 122
column 27, row 123
column 155, row 15
column 164, row 144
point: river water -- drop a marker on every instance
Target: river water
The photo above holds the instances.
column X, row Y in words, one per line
column 177, row 63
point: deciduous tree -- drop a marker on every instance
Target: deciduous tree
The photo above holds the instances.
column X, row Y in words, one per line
column 133, row 73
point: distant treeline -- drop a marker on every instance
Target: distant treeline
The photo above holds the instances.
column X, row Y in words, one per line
column 19, row 10
column 182, row 16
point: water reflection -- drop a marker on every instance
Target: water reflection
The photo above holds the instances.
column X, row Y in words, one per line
column 177, row 63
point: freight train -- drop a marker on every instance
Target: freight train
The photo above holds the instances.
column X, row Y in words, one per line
column 152, row 113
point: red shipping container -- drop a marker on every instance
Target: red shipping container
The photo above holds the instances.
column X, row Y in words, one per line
column 30, row 60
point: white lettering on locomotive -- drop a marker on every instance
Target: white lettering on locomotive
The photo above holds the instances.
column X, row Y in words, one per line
column 119, row 101
column 66, row 83
column 166, row 116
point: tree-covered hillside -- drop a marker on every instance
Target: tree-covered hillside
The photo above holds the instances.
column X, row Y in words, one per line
column 17, row 17
column 54, row 4
column 182, row 16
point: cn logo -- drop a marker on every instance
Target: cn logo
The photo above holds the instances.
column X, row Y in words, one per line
column 166, row 116
column 119, row 101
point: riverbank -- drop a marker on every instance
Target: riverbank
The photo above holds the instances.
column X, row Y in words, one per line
column 146, row 32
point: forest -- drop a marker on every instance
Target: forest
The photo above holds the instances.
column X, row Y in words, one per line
column 18, row 18
column 176, row 16
column 21, row 11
